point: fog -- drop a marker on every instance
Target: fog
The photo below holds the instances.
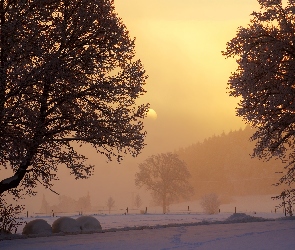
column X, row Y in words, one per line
column 180, row 44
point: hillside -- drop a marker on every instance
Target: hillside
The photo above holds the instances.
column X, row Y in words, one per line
column 223, row 165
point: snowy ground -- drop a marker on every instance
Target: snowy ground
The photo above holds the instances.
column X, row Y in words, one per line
column 171, row 231
column 176, row 230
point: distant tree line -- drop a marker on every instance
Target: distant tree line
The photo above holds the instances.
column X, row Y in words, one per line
column 223, row 165
column 67, row 204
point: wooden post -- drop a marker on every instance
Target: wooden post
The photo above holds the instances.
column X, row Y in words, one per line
column 27, row 214
column 187, row 208
column 235, row 210
column 127, row 210
column 146, row 210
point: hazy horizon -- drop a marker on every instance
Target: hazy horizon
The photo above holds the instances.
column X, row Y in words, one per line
column 179, row 44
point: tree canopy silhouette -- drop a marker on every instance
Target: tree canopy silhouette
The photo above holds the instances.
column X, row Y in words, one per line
column 67, row 77
column 264, row 81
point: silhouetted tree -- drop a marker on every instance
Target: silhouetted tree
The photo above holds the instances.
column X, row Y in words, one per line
column 287, row 198
column 264, row 80
column 67, row 77
column 166, row 176
column 110, row 204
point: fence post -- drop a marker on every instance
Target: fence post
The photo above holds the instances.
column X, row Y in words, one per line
column 235, row 210
column 27, row 214
column 187, row 208
column 146, row 210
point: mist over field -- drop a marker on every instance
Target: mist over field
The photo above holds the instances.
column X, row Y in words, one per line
column 220, row 164
column 180, row 45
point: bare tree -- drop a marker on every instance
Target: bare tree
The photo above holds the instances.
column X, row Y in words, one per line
column 45, row 208
column 166, row 176
column 210, row 203
column 137, row 201
column 264, row 81
column 110, row 204
column 67, row 77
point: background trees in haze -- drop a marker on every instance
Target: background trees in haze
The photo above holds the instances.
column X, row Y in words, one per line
column 137, row 201
column 210, row 203
column 166, row 176
column 222, row 164
column 110, row 204
column 264, row 81
column 67, row 77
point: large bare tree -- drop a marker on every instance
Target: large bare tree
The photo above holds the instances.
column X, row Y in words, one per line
column 166, row 176
column 265, row 81
column 67, row 77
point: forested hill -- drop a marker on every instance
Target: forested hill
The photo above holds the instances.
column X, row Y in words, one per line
column 223, row 165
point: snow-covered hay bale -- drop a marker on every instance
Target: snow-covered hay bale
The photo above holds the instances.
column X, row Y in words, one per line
column 89, row 224
column 66, row 225
column 38, row 226
column 4, row 232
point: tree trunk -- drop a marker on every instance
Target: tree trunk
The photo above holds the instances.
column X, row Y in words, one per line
column 3, row 62
column 14, row 181
column 164, row 205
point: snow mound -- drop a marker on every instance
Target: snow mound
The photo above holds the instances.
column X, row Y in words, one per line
column 242, row 217
column 66, row 225
column 89, row 224
column 38, row 226
column 287, row 218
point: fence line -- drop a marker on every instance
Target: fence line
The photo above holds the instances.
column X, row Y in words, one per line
column 132, row 211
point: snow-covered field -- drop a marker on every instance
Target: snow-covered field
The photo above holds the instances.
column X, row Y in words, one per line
column 176, row 230
column 156, row 231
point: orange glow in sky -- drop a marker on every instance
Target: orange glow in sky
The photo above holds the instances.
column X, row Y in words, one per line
column 179, row 44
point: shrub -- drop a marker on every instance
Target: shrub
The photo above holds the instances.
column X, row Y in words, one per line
column 9, row 217
column 210, row 203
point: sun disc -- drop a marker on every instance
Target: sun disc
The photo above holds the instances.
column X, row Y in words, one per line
column 152, row 114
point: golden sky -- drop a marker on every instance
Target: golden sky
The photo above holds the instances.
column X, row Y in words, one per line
column 180, row 44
